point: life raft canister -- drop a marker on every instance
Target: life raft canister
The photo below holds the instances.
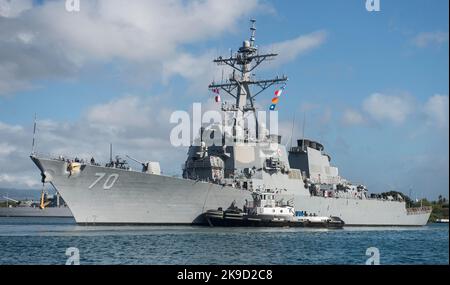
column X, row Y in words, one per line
column 74, row 167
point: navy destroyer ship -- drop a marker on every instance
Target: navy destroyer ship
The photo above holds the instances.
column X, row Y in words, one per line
column 226, row 173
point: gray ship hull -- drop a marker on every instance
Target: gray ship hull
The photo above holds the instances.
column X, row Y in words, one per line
column 136, row 198
column 56, row 212
column 369, row 212
column 101, row 195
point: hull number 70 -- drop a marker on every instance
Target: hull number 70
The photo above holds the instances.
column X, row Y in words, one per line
column 109, row 182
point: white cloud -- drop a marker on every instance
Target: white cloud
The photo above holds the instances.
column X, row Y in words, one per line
column 326, row 117
column 145, row 37
column 13, row 8
column 306, row 107
column 352, row 117
column 201, row 70
column 393, row 108
column 187, row 65
column 436, row 109
column 133, row 124
column 397, row 109
column 124, row 112
column 9, row 82
column 291, row 49
column 6, row 149
column 9, row 128
column 430, row 39
column 47, row 41
column 143, row 29
column 9, row 180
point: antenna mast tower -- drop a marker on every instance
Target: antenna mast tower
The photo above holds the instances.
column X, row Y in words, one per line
column 238, row 86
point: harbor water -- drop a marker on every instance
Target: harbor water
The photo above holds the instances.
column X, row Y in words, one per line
column 46, row 240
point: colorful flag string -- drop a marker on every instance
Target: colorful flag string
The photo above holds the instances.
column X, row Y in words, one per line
column 276, row 99
column 217, row 97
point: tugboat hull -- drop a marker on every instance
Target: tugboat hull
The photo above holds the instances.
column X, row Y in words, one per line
column 224, row 219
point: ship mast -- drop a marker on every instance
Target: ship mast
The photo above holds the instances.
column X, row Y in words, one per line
column 246, row 60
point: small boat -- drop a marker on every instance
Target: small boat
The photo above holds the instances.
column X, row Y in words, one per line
column 265, row 211
column 442, row 221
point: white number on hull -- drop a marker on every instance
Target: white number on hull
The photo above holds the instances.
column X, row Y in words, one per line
column 100, row 176
column 109, row 182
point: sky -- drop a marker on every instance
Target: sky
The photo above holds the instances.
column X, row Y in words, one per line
column 371, row 86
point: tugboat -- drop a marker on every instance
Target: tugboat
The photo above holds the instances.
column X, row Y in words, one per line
column 266, row 211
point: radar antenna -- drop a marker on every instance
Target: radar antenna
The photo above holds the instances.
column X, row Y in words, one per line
column 244, row 61
column 33, row 144
column 253, row 29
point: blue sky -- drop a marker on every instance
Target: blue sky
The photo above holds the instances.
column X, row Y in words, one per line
column 373, row 86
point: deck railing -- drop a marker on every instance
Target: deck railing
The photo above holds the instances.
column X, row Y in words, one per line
column 418, row 210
